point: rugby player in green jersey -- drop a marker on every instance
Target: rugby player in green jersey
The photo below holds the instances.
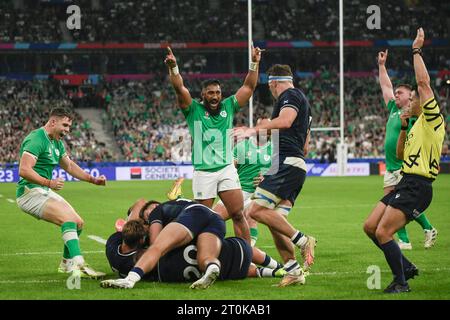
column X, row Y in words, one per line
column 209, row 122
column 252, row 158
column 40, row 152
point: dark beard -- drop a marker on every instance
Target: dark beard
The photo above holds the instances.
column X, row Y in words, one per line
column 213, row 112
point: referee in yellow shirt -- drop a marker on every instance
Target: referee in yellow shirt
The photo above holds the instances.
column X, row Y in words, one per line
column 421, row 155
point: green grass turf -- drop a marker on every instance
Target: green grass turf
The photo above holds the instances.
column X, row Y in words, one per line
column 331, row 209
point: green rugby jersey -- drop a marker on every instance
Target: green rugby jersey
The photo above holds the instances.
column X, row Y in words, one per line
column 47, row 152
column 251, row 161
column 393, row 127
column 211, row 143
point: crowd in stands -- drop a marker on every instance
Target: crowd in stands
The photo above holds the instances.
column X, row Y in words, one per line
column 144, row 122
column 152, row 128
column 147, row 125
column 219, row 20
column 24, row 106
column 356, row 59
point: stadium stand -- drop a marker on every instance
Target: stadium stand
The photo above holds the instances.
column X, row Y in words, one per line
column 147, row 125
column 144, row 21
column 24, row 104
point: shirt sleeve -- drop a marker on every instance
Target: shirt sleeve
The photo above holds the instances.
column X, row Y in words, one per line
column 232, row 103
column 34, row 146
column 432, row 114
column 186, row 112
column 155, row 216
column 391, row 105
column 291, row 101
column 62, row 150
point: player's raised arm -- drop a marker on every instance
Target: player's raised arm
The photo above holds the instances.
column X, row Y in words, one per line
column 430, row 106
column 422, row 77
column 73, row 169
column 184, row 98
column 245, row 92
column 26, row 171
column 385, row 83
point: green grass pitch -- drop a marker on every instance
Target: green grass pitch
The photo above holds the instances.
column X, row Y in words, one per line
column 331, row 209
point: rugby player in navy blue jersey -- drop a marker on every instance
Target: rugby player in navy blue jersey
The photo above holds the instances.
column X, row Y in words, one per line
column 173, row 224
column 124, row 249
column 276, row 194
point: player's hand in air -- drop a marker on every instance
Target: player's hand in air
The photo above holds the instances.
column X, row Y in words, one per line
column 56, row 184
column 420, row 38
column 382, row 57
column 100, row 181
column 170, row 60
column 256, row 54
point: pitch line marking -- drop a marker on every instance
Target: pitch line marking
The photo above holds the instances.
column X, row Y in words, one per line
column 97, row 239
column 10, row 200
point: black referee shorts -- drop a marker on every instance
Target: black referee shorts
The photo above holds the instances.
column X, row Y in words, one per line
column 412, row 195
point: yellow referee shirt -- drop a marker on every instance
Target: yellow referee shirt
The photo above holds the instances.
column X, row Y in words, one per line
column 423, row 144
